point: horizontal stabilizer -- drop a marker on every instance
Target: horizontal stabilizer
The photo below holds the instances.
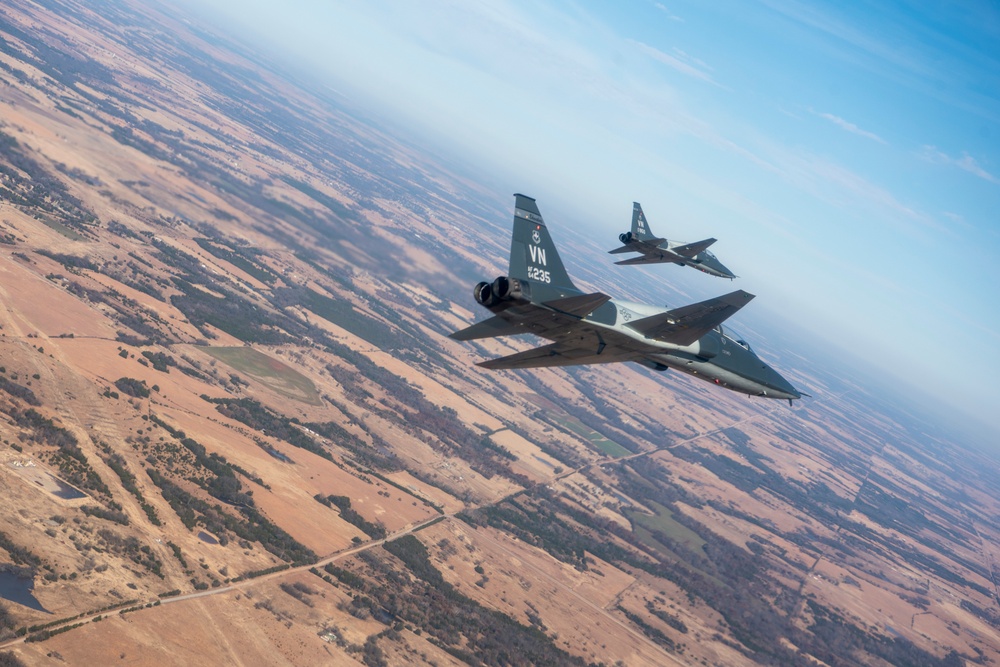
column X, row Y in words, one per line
column 685, row 325
column 639, row 245
column 555, row 354
column 692, row 249
column 491, row 328
column 581, row 305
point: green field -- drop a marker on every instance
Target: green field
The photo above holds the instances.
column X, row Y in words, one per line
column 273, row 374
column 663, row 522
column 61, row 228
column 609, row 447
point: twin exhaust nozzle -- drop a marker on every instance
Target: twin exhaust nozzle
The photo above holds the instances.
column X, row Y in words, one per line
column 501, row 289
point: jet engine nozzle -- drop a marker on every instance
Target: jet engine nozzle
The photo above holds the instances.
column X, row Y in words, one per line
column 626, row 237
column 483, row 293
column 501, row 289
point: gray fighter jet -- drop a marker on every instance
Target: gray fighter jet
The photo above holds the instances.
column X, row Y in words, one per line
column 656, row 251
column 538, row 297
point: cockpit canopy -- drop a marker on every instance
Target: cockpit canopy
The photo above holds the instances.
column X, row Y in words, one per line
column 734, row 337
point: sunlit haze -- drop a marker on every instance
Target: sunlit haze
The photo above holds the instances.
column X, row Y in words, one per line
column 847, row 162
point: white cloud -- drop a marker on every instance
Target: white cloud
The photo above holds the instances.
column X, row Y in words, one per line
column 850, row 127
column 966, row 163
column 670, row 14
column 681, row 62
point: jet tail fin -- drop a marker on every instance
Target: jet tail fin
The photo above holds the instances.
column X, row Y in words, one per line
column 533, row 254
column 640, row 228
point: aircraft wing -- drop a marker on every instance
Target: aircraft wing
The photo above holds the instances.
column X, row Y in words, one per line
column 692, row 249
column 652, row 258
column 554, row 354
column 636, row 245
column 685, row 325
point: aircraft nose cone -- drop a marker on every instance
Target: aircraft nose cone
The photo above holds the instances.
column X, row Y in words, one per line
column 782, row 388
column 788, row 390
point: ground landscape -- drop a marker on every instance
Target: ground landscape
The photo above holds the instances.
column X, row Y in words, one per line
column 234, row 432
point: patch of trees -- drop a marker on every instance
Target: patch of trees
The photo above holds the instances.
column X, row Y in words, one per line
column 377, row 456
column 373, row 529
column 371, row 653
column 127, row 312
column 260, row 418
column 741, row 444
column 44, row 429
column 540, row 521
column 603, row 414
column 889, row 509
column 989, row 615
column 460, row 625
column 69, row 261
column 160, row 361
column 666, row 617
column 414, row 413
column 334, row 206
column 815, row 498
column 188, row 267
column 343, row 313
column 8, row 659
column 59, row 65
column 18, row 554
column 834, row 640
column 299, row 591
column 253, row 527
column 114, row 513
column 223, row 483
column 127, row 136
column 7, row 622
column 233, row 314
column 19, row 391
column 346, row 576
column 239, row 256
column 128, row 480
column 69, row 458
column 24, row 182
column 657, row 636
column 131, row 548
column 132, row 387
column 646, row 478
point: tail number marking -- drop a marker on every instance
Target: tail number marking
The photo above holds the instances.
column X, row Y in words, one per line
column 542, row 276
column 537, row 272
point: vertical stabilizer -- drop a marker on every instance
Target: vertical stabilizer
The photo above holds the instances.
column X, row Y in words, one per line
column 640, row 228
column 533, row 255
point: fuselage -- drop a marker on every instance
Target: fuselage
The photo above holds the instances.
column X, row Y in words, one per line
column 704, row 261
column 716, row 357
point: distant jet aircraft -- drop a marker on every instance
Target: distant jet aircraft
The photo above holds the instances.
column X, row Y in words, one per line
column 538, row 297
column 656, row 251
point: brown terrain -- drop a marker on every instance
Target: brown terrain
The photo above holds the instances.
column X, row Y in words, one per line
column 232, row 430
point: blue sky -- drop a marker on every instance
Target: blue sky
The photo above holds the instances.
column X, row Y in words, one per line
column 847, row 155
